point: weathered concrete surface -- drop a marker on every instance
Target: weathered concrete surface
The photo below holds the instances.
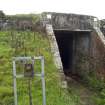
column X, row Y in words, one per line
column 88, row 42
column 55, row 52
column 97, row 57
column 70, row 21
column 102, row 26
column 74, row 50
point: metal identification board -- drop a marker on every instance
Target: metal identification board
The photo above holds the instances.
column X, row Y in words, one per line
column 28, row 73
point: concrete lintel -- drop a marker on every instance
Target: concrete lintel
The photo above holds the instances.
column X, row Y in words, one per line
column 78, row 30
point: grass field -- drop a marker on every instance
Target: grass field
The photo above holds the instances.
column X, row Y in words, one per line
column 14, row 43
column 19, row 43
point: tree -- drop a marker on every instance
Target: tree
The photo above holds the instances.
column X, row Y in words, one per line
column 2, row 15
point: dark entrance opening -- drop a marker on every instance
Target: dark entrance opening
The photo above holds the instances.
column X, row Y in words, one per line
column 71, row 43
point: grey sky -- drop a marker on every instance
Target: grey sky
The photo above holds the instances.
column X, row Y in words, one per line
column 87, row 7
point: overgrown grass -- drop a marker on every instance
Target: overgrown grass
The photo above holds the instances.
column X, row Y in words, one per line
column 26, row 43
column 13, row 43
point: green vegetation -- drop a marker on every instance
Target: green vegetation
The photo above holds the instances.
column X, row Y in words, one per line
column 98, row 86
column 13, row 43
column 2, row 15
column 30, row 17
column 26, row 43
column 90, row 79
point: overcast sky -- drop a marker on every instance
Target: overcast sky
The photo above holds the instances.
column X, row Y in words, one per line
column 87, row 7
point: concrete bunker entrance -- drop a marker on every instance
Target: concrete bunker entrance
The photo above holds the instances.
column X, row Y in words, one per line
column 70, row 44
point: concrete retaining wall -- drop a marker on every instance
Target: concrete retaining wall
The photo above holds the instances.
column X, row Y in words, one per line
column 92, row 46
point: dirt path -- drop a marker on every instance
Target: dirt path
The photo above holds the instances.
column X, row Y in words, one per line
column 84, row 94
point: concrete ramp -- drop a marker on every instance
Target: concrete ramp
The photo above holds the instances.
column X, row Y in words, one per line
column 100, row 34
column 56, row 54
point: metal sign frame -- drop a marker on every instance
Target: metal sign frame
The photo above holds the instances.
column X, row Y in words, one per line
column 15, row 76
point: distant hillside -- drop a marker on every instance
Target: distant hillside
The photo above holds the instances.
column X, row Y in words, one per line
column 20, row 22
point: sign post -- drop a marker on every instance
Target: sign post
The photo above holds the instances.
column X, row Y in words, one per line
column 28, row 73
